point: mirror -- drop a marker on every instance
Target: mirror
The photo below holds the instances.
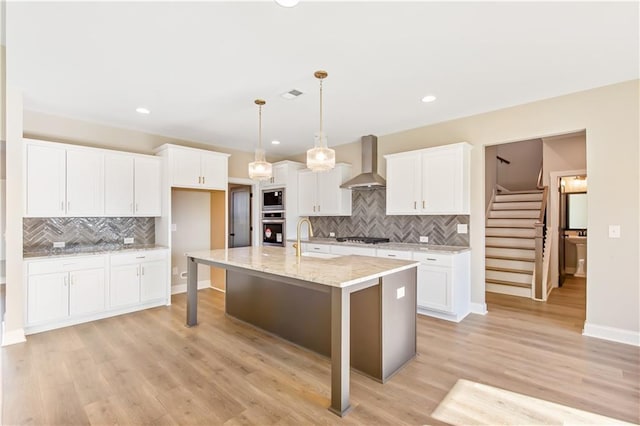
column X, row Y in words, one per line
column 577, row 211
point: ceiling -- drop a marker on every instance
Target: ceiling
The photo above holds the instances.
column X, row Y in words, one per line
column 199, row 66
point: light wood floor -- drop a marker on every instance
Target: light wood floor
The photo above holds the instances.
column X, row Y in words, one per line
column 147, row 368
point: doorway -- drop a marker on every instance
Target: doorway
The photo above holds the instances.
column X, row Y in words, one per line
column 240, row 215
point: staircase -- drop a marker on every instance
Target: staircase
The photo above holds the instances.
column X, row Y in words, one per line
column 510, row 257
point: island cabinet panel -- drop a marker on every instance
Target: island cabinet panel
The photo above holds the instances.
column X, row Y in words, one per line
column 429, row 181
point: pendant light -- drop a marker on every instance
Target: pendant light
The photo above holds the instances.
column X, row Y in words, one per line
column 260, row 169
column 320, row 157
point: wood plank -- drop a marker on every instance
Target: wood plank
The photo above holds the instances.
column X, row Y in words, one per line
column 149, row 368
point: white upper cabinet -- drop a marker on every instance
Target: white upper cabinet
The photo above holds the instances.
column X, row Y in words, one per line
column 46, row 181
column 132, row 185
column 429, row 181
column 319, row 193
column 85, row 182
column 70, row 180
column 147, row 186
column 196, row 168
column 118, row 185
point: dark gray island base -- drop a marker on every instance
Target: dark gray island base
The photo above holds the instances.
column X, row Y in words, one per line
column 367, row 323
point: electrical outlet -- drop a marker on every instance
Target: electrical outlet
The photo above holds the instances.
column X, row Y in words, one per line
column 128, row 240
column 332, row 234
column 59, row 244
column 400, row 293
column 463, row 228
column 424, row 239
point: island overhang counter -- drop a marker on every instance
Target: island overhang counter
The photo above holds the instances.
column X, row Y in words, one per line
column 359, row 310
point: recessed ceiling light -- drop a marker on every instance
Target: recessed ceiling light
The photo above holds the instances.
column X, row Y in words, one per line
column 428, row 98
column 275, row 142
column 291, row 94
column 143, row 110
column 287, row 3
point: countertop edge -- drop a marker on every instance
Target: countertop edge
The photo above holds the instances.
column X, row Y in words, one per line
column 391, row 246
column 27, row 258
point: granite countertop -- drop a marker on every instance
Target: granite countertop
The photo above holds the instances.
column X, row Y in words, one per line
column 336, row 271
column 80, row 250
column 391, row 246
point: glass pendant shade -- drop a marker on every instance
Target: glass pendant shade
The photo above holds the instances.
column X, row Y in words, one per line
column 260, row 169
column 321, row 158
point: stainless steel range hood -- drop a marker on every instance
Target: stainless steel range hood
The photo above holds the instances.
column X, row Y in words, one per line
column 369, row 178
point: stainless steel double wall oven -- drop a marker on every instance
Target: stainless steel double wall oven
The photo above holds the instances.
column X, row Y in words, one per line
column 273, row 217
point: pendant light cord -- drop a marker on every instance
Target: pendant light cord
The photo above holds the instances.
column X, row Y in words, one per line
column 321, row 108
column 260, row 126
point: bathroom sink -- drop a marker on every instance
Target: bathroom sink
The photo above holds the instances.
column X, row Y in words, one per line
column 575, row 239
column 320, row 255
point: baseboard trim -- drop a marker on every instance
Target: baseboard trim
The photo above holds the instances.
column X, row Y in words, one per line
column 478, row 308
column 182, row 288
column 13, row 337
column 613, row 334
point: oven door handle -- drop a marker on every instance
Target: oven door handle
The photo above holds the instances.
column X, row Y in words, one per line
column 273, row 221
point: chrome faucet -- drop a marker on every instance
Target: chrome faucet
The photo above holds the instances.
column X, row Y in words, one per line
column 298, row 245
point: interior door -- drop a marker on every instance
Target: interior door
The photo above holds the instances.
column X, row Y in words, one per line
column 240, row 217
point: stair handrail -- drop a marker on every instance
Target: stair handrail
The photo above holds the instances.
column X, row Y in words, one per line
column 539, row 226
column 539, row 184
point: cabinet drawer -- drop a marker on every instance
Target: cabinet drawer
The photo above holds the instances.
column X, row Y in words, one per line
column 347, row 250
column 394, row 254
column 65, row 265
column 433, row 259
column 317, row 248
column 138, row 256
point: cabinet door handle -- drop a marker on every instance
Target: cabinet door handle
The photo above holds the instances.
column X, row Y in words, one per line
column 140, row 257
column 62, row 205
column 431, row 259
column 415, row 205
column 199, row 179
column 314, row 208
column 68, row 205
column 137, row 271
column 391, row 255
column 136, row 207
column 423, row 204
column 142, row 270
column 65, row 281
column 318, row 208
column 202, row 179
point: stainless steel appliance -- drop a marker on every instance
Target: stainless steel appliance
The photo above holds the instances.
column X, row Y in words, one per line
column 273, row 199
column 273, row 229
column 362, row 240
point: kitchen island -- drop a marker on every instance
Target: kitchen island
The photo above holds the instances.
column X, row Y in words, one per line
column 359, row 310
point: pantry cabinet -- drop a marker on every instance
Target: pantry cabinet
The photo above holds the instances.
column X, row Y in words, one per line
column 429, row 181
column 319, row 193
column 196, row 168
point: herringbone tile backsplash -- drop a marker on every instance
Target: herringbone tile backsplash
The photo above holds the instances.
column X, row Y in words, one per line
column 369, row 219
column 41, row 233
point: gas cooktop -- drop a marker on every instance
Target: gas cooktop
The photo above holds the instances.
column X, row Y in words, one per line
column 362, row 240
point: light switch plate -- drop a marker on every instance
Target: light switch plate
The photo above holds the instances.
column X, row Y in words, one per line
column 332, row 234
column 59, row 244
column 128, row 240
column 614, row 231
column 400, row 293
column 463, row 228
column 424, row 239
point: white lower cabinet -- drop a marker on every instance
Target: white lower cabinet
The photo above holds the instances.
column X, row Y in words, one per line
column 444, row 287
column 64, row 288
column 72, row 290
column 138, row 277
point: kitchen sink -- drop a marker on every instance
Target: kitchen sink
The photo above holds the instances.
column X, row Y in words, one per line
column 320, row 255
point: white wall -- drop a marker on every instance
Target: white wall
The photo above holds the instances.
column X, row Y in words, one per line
column 610, row 116
column 525, row 159
column 190, row 212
